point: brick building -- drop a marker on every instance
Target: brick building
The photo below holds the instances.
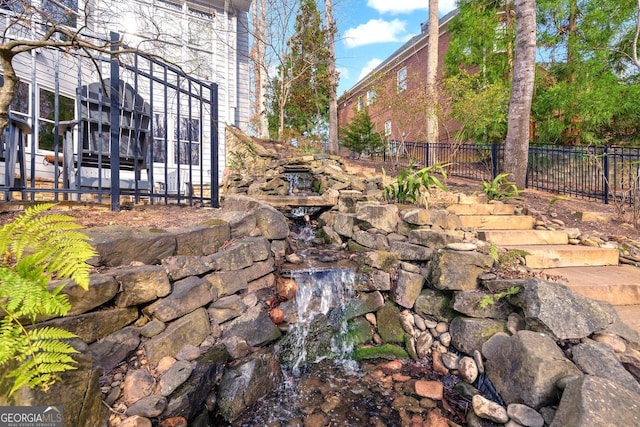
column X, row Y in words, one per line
column 394, row 93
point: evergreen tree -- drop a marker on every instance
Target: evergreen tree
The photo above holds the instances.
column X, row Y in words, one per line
column 300, row 93
column 360, row 135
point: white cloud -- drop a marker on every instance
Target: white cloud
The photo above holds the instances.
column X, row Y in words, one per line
column 343, row 72
column 375, row 31
column 369, row 66
column 395, row 7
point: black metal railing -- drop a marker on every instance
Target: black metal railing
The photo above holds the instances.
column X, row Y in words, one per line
column 604, row 173
column 140, row 127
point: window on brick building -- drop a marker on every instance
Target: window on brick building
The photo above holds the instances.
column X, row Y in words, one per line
column 402, row 79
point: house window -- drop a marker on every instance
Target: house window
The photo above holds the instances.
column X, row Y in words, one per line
column 61, row 12
column 402, row 79
column 159, row 138
column 371, row 97
column 387, row 128
column 20, row 103
column 46, row 116
column 360, row 102
column 189, row 133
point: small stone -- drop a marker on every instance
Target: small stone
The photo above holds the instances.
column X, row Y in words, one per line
column 236, row 346
column 294, row 259
column 423, row 344
column 468, row 370
column 463, row 247
column 419, row 322
column 164, row 364
column 152, row 328
column 442, row 327
column 137, row 385
column 250, row 300
column 372, row 319
column 377, row 338
column 150, row 406
column 477, row 356
column 515, row 323
column 430, row 324
column 330, row 404
column 451, row 360
column 485, row 408
column 188, row 352
column 392, row 366
column 175, row 377
column 438, row 366
column 406, row 320
column 112, row 396
column 525, row 415
column 616, row 343
column 431, row 389
column 276, row 315
column 437, row 346
column 286, row 288
column 445, row 339
column 173, row 422
column 135, row 421
column 317, row 419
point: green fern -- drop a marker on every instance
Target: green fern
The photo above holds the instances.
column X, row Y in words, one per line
column 37, row 247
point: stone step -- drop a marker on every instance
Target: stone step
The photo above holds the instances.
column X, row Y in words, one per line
column 473, row 199
column 482, row 209
column 551, row 256
column 524, row 237
column 497, row 222
column 616, row 284
column 630, row 314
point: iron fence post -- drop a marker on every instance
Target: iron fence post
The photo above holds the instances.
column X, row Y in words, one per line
column 605, row 169
column 215, row 197
column 115, row 124
column 426, row 154
column 494, row 160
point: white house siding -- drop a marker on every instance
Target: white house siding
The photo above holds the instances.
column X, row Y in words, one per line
column 219, row 56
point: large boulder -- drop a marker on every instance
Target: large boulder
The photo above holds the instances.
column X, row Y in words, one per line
column 554, row 309
column 343, row 224
column 389, row 324
column 188, row 294
column 114, row 348
column 375, row 241
column 272, row 223
column 525, row 368
column 255, row 326
column 201, row 239
column 597, row 402
column 458, row 270
column 190, row 329
column 246, row 382
column 95, row 325
column 381, row 217
column 432, row 238
column 470, row 303
column 434, row 304
column 407, row 288
column 469, row 334
column 118, row 245
column 410, row 252
column 102, row 288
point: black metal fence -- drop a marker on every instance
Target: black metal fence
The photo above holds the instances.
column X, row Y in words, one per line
column 108, row 127
column 604, row 173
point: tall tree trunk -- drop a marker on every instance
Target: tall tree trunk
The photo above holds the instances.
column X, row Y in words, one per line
column 8, row 89
column 634, row 54
column 333, row 78
column 516, row 149
column 262, row 60
column 572, row 40
column 432, row 70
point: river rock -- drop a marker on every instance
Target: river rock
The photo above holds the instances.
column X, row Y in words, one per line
column 485, row 408
column 407, row 288
column 190, row 329
column 598, row 359
column 429, row 389
column 554, row 309
column 141, row 284
column 137, row 384
column 188, row 294
column 246, row 382
column 524, row 415
column 150, row 406
column 458, row 271
column 524, row 368
column 469, row 334
column 468, row 370
column 175, row 376
column 595, row 401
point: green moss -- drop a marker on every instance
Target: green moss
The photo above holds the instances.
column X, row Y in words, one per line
column 385, row 351
column 356, row 247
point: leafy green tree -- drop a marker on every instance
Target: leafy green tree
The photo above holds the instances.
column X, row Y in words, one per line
column 300, row 92
column 360, row 135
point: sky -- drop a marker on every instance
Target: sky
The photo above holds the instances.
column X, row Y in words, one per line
column 369, row 31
